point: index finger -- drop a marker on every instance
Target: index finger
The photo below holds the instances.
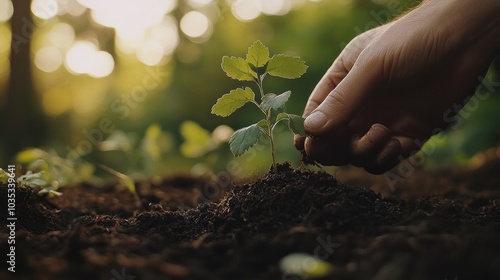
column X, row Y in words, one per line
column 340, row 68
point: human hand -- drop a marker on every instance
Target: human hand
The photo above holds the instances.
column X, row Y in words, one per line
column 389, row 88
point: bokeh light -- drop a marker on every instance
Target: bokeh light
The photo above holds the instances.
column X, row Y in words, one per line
column 129, row 44
column 246, row 10
column 129, row 16
column 195, row 24
column 79, row 57
column 44, row 9
column 152, row 45
column 166, row 34
column 199, row 3
column 142, row 28
column 150, row 53
column 222, row 133
column 62, row 35
column 276, row 7
column 48, row 59
column 84, row 58
column 6, row 10
column 103, row 65
column 72, row 7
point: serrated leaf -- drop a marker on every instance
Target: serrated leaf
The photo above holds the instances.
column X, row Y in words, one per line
column 285, row 66
column 258, row 54
column 243, row 139
column 230, row 102
column 296, row 124
column 237, row 68
column 274, row 101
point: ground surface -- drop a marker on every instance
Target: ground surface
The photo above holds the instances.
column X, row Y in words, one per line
column 434, row 225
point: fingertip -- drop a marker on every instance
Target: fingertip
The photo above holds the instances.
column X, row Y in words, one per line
column 387, row 158
column 408, row 146
column 298, row 142
column 327, row 151
column 315, row 122
column 375, row 139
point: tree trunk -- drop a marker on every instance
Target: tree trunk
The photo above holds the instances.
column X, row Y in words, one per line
column 23, row 120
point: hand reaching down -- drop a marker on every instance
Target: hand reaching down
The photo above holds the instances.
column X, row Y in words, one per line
column 389, row 88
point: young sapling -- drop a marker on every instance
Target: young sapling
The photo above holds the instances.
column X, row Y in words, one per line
column 34, row 180
column 255, row 68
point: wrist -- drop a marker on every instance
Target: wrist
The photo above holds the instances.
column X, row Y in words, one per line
column 478, row 23
column 464, row 23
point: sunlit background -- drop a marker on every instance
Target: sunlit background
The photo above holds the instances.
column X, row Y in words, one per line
column 129, row 84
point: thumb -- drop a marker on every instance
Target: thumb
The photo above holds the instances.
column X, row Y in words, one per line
column 342, row 103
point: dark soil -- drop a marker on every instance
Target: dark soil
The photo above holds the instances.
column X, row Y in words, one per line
column 435, row 225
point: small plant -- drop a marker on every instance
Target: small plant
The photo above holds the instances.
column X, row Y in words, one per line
column 33, row 180
column 256, row 67
column 46, row 171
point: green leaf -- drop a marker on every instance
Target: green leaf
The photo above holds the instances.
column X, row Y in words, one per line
column 118, row 141
column 296, row 124
column 85, row 171
column 274, row 101
column 285, row 66
column 281, row 116
column 258, row 54
column 34, row 180
column 230, row 102
column 30, row 155
column 198, row 140
column 263, row 123
column 237, row 68
column 150, row 145
column 254, row 68
column 244, row 138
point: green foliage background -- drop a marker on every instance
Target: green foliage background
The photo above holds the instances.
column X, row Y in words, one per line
column 315, row 31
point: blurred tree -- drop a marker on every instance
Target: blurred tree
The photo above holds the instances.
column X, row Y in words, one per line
column 23, row 120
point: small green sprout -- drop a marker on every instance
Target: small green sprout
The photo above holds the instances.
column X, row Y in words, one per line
column 37, row 181
column 256, row 67
column 33, row 180
column 47, row 171
column 125, row 180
